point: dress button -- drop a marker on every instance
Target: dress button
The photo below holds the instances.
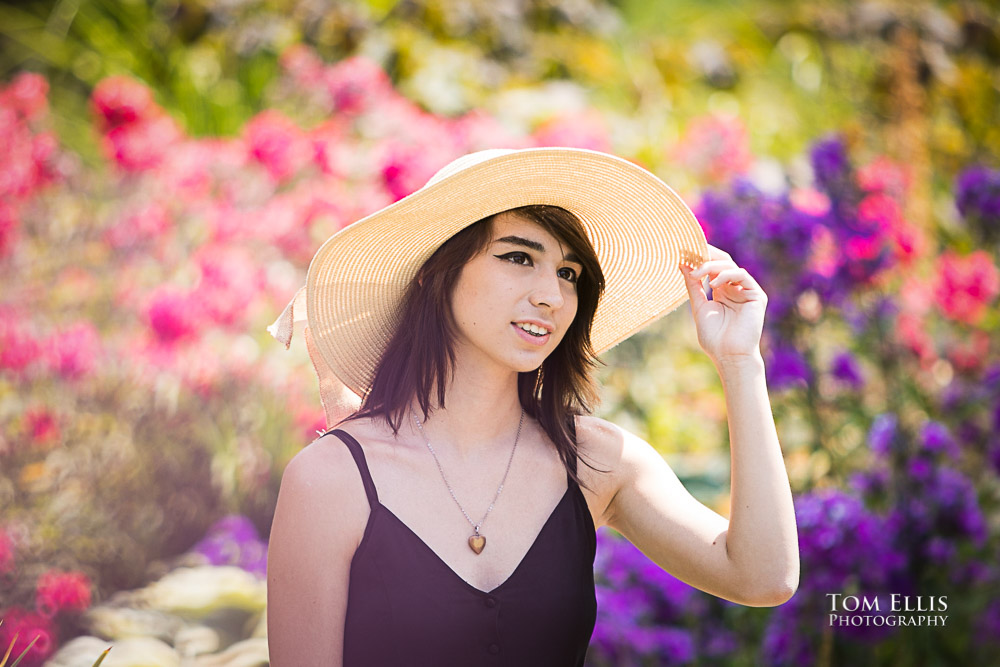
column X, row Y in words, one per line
column 494, row 649
column 491, row 602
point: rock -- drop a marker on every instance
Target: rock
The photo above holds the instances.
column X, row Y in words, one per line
column 130, row 652
column 247, row 653
column 194, row 592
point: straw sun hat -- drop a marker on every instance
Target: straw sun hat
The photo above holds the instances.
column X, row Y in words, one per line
column 640, row 228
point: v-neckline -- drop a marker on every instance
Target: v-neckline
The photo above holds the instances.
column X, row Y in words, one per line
column 520, row 563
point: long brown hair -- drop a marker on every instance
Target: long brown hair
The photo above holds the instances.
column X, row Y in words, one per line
column 421, row 351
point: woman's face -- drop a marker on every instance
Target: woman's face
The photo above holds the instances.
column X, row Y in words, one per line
column 514, row 301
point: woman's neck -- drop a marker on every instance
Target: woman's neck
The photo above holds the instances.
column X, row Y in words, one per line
column 481, row 411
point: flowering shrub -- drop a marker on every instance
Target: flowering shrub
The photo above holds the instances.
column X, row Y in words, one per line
column 145, row 417
column 864, row 320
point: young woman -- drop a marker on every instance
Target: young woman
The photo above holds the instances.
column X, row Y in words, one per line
column 447, row 521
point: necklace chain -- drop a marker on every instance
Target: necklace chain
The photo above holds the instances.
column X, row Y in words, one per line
column 452, row 492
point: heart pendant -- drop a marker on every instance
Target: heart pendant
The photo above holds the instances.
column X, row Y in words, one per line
column 477, row 543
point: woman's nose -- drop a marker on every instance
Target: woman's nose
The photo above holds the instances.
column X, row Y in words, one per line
column 548, row 292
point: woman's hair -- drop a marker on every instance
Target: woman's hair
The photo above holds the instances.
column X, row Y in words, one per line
column 420, row 355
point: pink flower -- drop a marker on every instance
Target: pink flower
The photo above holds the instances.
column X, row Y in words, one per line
column 884, row 175
column 6, row 553
column 188, row 169
column 580, row 130
column 27, row 625
column 825, row 255
column 406, row 168
column 276, row 142
column 18, row 346
column 965, row 287
column 121, row 100
column 146, row 224
column 74, row 352
column 330, row 149
column 881, row 211
column 41, row 426
column 9, row 227
column 58, row 592
column 863, row 247
column 970, row 353
column 173, row 315
column 230, row 280
column 302, row 64
column 44, row 150
column 911, row 331
column 810, row 201
column 356, row 85
column 27, row 94
column 716, row 147
column 141, row 145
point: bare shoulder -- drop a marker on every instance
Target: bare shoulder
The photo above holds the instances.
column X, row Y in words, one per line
column 600, row 445
column 603, row 441
column 323, row 477
column 622, row 454
column 319, row 521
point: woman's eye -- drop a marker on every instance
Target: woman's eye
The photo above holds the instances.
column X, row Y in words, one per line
column 568, row 273
column 516, row 258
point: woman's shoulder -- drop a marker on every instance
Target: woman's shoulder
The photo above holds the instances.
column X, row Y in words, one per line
column 598, row 437
column 325, row 473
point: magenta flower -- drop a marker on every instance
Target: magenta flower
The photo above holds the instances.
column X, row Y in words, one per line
column 141, row 145
column 230, row 279
column 966, row 286
column 58, row 592
column 73, row 353
column 139, row 227
column 357, row 85
column 27, row 94
column 6, row 553
column 173, row 315
column 9, row 228
column 19, row 348
column 41, row 426
column 277, row 143
column 27, row 625
column 121, row 100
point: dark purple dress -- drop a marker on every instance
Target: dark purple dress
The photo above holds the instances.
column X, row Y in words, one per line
column 406, row 606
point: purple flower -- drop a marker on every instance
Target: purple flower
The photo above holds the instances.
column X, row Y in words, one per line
column 935, row 438
column 784, row 642
column 977, row 196
column 787, row 367
column 844, row 367
column 882, row 433
column 873, row 482
column 829, row 162
column 919, row 468
column 233, row 540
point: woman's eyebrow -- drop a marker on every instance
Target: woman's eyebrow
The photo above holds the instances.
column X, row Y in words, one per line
column 536, row 246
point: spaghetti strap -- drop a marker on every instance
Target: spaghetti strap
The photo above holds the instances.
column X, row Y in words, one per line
column 359, row 458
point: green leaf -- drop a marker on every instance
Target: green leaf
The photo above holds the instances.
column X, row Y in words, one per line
column 24, row 652
column 103, row 656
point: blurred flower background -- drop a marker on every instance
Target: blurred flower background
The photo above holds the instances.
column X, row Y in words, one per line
column 170, row 166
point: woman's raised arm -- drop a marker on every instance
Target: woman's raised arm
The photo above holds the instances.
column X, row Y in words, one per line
column 318, row 524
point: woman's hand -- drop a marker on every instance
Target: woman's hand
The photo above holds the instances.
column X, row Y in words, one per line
column 730, row 325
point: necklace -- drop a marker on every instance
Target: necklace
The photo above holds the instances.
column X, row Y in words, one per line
column 477, row 542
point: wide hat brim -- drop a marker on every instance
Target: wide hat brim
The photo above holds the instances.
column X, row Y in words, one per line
column 639, row 227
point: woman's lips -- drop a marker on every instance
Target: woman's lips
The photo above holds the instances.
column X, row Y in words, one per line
column 527, row 337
